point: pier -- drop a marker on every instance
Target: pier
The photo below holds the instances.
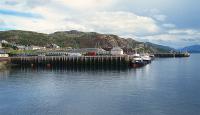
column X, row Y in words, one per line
column 66, row 62
column 73, row 62
column 168, row 55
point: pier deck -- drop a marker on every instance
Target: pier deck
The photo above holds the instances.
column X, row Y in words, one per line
column 72, row 62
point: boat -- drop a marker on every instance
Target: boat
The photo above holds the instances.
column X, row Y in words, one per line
column 186, row 54
column 3, row 56
column 146, row 58
column 152, row 56
column 137, row 61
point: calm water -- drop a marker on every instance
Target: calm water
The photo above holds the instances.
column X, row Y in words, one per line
column 165, row 87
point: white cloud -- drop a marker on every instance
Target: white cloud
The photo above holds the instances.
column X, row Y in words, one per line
column 95, row 15
column 41, row 25
column 176, row 38
column 161, row 37
column 3, row 25
column 87, row 4
column 160, row 17
column 169, row 26
column 183, row 31
column 1, row 22
column 117, row 22
column 57, row 16
column 122, row 22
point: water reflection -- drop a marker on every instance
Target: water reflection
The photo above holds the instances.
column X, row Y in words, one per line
column 164, row 87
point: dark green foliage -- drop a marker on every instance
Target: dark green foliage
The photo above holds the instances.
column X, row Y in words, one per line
column 77, row 39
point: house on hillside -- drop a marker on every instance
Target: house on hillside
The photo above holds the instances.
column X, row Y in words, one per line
column 35, row 48
column 20, row 47
column 4, row 42
column 53, row 46
column 117, row 51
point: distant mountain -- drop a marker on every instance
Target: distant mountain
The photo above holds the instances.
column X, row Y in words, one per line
column 160, row 48
column 191, row 49
column 77, row 39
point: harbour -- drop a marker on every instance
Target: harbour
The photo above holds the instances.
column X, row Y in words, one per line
column 99, row 57
column 54, row 56
column 125, row 61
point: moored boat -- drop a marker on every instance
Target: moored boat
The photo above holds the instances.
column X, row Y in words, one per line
column 3, row 57
column 146, row 58
column 137, row 61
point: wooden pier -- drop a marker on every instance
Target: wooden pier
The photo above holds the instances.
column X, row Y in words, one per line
column 73, row 62
column 54, row 62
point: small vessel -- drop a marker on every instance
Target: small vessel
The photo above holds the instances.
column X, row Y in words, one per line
column 146, row 58
column 137, row 61
column 3, row 56
column 152, row 56
column 187, row 54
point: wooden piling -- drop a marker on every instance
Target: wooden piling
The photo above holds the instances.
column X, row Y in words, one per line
column 95, row 62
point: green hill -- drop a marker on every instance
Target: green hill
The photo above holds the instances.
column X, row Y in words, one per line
column 77, row 39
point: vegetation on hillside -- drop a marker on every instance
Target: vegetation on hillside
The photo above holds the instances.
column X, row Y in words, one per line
column 77, row 39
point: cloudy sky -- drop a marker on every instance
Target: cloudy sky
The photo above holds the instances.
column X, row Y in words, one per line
column 167, row 22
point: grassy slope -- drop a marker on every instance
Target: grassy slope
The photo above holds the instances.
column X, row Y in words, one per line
column 75, row 39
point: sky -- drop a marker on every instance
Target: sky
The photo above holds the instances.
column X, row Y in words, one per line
column 173, row 23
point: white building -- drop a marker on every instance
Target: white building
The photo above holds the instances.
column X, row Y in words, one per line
column 74, row 54
column 56, row 53
column 21, row 47
column 4, row 41
column 54, row 46
column 63, row 53
column 117, row 51
column 34, row 48
column 101, row 51
column 3, row 54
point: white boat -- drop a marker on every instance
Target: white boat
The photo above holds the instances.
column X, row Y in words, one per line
column 137, row 61
column 152, row 56
column 146, row 58
column 4, row 56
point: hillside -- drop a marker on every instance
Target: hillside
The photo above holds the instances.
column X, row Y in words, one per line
column 160, row 48
column 191, row 49
column 77, row 39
